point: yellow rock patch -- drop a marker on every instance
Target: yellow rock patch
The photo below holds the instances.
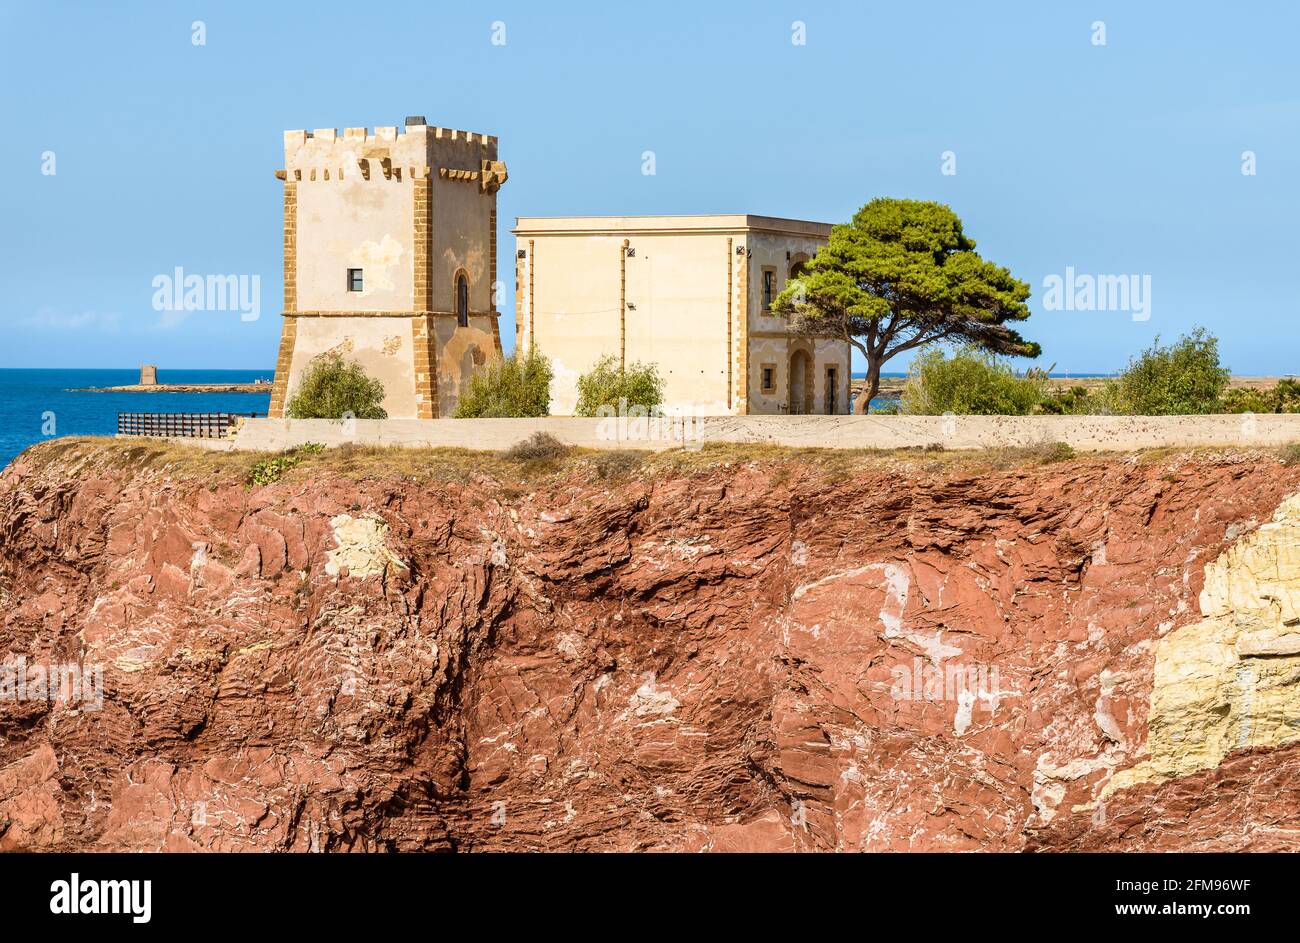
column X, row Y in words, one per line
column 1232, row 680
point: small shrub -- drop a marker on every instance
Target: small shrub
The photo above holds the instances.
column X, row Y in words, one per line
column 606, row 385
column 332, row 389
column 970, row 382
column 1181, row 379
column 1286, row 396
column 540, row 446
column 516, row 387
column 1072, row 402
column 1291, row 454
column 1054, row 452
column 618, row 463
column 1282, row 398
column 270, row 470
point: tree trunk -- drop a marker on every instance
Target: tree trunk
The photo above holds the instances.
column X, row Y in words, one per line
column 869, row 390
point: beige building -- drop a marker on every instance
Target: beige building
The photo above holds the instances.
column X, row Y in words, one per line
column 691, row 294
column 390, row 259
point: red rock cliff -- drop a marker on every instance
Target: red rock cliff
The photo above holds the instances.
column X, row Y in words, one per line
column 756, row 655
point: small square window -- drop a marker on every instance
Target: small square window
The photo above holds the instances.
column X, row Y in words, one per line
column 354, row 279
column 769, row 377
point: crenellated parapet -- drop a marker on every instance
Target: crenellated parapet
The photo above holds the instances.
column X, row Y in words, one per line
column 416, row 151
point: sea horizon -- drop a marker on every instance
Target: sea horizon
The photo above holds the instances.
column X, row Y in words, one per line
column 48, row 402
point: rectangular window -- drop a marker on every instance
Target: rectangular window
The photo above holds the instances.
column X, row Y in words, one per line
column 769, row 288
column 354, row 279
column 769, row 377
column 832, row 387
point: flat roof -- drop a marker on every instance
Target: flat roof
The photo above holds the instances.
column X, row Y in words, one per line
column 703, row 223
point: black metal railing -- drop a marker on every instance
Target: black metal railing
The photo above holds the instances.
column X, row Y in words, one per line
column 180, row 425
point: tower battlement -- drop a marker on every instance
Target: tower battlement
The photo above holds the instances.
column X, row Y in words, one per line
column 323, row 146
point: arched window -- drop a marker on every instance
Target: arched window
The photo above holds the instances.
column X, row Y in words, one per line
column 462, row 301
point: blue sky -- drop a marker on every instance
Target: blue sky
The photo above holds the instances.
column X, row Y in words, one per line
column 1115, row 159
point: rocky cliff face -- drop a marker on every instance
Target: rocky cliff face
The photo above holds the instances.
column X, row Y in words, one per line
column 769, row 655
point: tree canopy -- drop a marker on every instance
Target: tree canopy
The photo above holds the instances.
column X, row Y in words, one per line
column 900, row 276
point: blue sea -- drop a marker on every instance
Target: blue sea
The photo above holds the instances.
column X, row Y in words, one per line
column 39, row 404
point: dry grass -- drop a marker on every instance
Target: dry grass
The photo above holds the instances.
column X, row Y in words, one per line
column 355, row 462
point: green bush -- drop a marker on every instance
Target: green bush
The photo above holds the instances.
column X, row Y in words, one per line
column 1282, row 398
column 1182, row 379
column 1072, row 402
column 970, row 382
column 606, row 385
column 270, row 470
column 515, row 387
column 1286, row 396
column 332, row 389
column 1248, row 401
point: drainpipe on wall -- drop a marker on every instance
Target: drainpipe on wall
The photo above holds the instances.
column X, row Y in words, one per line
column 622, row 306
column 729, row 391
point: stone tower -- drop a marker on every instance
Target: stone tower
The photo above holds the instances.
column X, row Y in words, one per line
column 390, row 259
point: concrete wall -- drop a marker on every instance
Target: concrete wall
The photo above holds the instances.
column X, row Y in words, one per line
column 1083, row 433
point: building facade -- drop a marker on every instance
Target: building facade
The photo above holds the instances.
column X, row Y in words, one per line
column 691, row 294
column 390, row 259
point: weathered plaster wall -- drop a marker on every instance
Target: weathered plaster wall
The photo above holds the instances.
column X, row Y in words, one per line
column 460, row 352
column 382, row 346
column 676, row 318
column 347, row 221
column 677, row 284
column 353, row 223
column 768, row 342
column 575, row 304
column 462, row 241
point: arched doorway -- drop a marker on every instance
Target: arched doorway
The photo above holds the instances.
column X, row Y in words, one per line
column 798, row 264
column 801, row 382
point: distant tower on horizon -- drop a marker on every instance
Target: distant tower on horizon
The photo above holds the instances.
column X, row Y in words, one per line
column 390, row 259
